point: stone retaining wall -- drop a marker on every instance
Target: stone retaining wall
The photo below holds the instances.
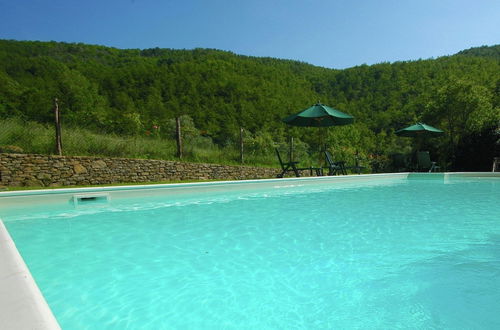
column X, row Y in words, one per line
column 43, row 170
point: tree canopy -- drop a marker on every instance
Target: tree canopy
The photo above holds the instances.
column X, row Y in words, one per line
column 127, row 92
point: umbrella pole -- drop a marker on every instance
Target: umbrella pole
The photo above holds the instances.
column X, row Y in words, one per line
column 321, row 146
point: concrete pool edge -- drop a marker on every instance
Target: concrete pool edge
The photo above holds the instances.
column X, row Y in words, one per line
column 191, row 184
column 21, row 201
column 22, row 305
column 52, row 191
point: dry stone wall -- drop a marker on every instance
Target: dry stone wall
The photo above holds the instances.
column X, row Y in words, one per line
column 49, row 171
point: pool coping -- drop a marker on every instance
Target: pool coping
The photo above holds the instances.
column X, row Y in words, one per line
column 22, row 305
column 56, row 191
column 189, row 184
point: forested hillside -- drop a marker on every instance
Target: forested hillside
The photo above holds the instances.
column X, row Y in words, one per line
column 138, row 93
column 485, row 51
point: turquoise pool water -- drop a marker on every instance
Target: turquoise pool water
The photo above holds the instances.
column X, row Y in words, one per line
column 404, row 254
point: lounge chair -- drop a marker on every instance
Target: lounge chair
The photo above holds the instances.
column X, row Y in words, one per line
column 292, row 167
column 334, row 168
column 424, row 162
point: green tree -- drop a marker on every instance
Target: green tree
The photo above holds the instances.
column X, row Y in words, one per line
column 462, row 108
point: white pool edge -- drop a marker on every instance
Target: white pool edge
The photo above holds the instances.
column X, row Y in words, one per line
column 22, row 305
column 191, row 184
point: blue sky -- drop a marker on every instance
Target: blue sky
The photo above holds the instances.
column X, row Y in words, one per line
column 333, row 34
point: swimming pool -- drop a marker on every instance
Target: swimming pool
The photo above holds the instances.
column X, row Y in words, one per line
column 364, row 252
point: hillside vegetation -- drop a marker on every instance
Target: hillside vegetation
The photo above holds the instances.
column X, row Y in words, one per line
column 134, row 95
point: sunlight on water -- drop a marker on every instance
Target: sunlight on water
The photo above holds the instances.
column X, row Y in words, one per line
column 413, row 254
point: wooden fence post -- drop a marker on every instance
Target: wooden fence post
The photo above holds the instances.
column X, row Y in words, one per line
column 178, row 136
column 57, row 119
column 241, row 145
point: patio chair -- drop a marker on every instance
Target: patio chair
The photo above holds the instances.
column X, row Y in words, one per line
column 356, row 167
column 399, row 162
column 496, row 164
column 334, row 168
column 424, row 162
column 292, row 167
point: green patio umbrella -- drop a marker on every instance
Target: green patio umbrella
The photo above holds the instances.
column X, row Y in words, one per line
column 318, row 115
column 419, row 130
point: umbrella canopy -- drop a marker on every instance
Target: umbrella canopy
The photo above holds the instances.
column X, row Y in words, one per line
column 319, row 115
column 419, row 129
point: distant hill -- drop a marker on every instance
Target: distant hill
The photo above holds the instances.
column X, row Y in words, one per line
column 483, row 51
column 126, row 92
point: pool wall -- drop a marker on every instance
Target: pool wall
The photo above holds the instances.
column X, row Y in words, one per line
column 16, row 202
column 22, row 305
